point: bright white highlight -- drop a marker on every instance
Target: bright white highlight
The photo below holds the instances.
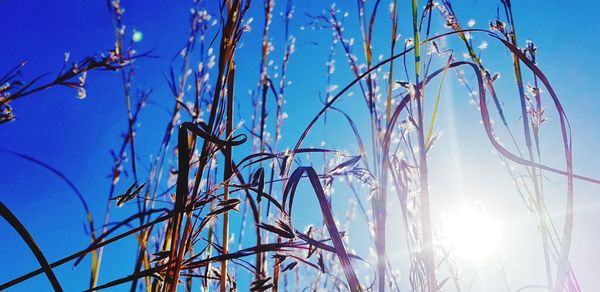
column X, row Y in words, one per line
column 471, row 234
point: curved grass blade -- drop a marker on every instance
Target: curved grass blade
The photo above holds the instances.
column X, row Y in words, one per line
column 61, row 176
column 85, row 251
column 338, row 244
column 35, row 249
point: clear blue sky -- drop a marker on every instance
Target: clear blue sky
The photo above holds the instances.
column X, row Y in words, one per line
column 75, row 136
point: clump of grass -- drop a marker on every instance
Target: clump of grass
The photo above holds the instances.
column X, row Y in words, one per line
column 182, row 224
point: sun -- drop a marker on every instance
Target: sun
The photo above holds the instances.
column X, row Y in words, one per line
column 470, row 233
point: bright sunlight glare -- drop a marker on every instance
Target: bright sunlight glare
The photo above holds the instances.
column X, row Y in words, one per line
column 472, row 234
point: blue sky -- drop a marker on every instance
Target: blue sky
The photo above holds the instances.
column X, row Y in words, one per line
column 75, row 136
